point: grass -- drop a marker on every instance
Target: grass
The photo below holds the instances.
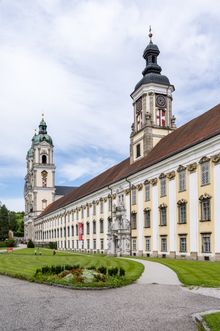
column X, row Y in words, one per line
column 193, row 273
column 213, row 321
column 23, row 264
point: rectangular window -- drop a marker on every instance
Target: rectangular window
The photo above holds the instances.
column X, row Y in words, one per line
column 109, row 224
column 147, row 244
column 147, row 192
column 163, row 216
column 109, row 204
column 88, row 243
column 138, row 150
column 147, row 219
column 182, row 180
column 72, row 243
column 134, row 244
column 101, row 207
column 76, row 230
column 94, row 227
column 87, row 211
column 102, row 244
column 206, row 243
column 163, row 187
column 182, row 244
column 182, row 213
column 77, row 214
column 205, row 176
column 133, row 196
column 87, row 228
column 101, row 226
column 163, row 244
column 72, row 230
column 134, row 221
column 68, row 231
column 82, row 213
column 205, row 210
column 94, row 243
column 94, row 209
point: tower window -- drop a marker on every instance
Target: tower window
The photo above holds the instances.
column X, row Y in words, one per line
column 161, row 117
column 139, row 121
column 153, row 59
column 44, row 204
column 138, row 150
column 44, row 159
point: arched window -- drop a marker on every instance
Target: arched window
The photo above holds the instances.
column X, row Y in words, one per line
column 44, row 159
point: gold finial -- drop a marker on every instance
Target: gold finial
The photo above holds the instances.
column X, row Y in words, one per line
column 150, row 35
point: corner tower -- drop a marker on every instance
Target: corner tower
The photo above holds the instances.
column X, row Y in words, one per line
column 39, row 190
column 152, row 106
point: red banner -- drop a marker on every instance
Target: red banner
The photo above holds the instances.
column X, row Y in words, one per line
column 80, row 226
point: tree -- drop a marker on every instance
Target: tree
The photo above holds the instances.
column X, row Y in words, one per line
column 4, row 222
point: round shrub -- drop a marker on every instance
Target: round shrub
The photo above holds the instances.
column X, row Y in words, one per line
column 30, row 244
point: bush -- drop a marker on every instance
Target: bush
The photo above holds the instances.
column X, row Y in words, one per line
column 92, row 267
column 2, row 244
column 58, row 269
column 113, row 271
column 30, row 244
column 46, row 270
column 52, row 245
column 68, row 267
column 102, row 270
column 121, row 272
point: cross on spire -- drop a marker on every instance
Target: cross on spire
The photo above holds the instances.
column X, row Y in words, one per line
column 150, row 35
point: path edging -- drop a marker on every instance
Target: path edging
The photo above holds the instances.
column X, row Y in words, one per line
column 199, row 321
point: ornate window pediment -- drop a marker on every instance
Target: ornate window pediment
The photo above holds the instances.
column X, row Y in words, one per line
column 162, row 205
column 146, row 182
column 181, row 168
column 181, row 202
column 171, row 175
column 204, row 159
column 204, row 196
column 147, row 209
column 192, row 167
column 216, row 158
column 139, row 187
column 162, row 175
column 154, row 181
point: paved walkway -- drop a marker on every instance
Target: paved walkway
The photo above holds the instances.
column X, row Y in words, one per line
column 156, row 273
column 21, row 246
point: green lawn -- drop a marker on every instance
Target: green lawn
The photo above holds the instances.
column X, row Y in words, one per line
column 23, row 263
column 195, row 273
column 213, row 321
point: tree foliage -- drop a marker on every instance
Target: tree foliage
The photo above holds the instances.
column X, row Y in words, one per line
column 11, row 220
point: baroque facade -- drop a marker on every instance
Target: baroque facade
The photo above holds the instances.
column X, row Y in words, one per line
column 161, row 201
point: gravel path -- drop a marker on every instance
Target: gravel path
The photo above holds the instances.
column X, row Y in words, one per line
column 156, row 273
column 33, row 307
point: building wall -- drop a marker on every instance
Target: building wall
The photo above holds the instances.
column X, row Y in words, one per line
column 193, row 230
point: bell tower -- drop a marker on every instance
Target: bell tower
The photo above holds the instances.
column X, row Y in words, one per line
column 39, row 190
column 152, row 106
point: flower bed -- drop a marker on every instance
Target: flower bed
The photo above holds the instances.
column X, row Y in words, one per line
column 77, row 276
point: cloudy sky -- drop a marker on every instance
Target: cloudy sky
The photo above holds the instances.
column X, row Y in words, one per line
column 77, row 61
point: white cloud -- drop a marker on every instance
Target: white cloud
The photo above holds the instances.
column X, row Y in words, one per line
column 78, row 62
column 84, row 167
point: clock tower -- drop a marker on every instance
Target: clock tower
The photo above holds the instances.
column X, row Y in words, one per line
column 39, row 190
column 152, row 105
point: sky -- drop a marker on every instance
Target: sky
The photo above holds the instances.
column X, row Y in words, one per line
column 77, row 61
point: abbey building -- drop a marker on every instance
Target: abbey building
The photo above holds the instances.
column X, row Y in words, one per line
column 163, row 200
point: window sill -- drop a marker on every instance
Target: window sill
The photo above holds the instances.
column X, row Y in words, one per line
column 146, row 227
column 163, row 196
column 181, row 223
column 205, row 221
column 204, row 184
column 162, row 224
column 181, row 191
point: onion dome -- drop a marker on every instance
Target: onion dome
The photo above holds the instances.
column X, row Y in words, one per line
column 42, row 134
column 152, row 71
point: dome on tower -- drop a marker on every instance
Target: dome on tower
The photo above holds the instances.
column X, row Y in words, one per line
column 152, row 71
column 42, row 134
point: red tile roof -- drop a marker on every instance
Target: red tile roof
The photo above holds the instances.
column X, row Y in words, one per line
column 197, row 130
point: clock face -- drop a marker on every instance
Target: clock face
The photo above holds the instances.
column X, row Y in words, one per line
column 160, row 101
